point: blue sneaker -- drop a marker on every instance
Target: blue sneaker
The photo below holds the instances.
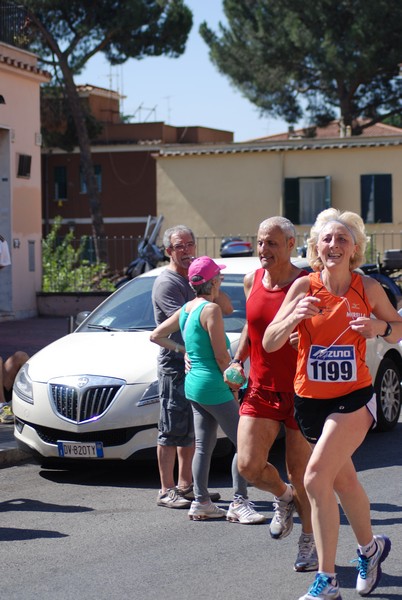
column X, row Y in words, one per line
column 323, row 588
column 370, row 568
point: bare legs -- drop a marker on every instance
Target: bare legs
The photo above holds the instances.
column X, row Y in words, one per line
column 8, row 371
column 255, row 439
column 330, row 471
column 166, row 462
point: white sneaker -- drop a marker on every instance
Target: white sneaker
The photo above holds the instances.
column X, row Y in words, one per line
column 200, row 511
column 323, row 588
column 307, row 559
column 370, row 568
column 242, row 511
column 282, row 521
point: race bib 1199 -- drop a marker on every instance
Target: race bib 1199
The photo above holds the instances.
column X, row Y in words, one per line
column 334, row 364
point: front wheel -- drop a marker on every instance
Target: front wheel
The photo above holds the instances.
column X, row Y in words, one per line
column 388, row 393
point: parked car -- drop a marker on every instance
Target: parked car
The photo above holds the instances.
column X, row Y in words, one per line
column 93, row 394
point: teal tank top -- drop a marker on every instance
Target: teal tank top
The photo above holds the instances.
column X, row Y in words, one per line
column 204, row 383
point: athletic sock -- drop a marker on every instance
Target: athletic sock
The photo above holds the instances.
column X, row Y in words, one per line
column 287, row 496
column 368, row 550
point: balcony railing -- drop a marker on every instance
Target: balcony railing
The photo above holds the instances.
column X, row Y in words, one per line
column 120, row 251
column 13, row 25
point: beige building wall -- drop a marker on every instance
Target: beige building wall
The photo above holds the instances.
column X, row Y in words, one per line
column 21, row 210
column 231, row 193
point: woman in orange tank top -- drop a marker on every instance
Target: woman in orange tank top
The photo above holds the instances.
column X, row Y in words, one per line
column 332, row 309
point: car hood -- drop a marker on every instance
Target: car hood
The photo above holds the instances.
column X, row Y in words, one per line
column 125, row 355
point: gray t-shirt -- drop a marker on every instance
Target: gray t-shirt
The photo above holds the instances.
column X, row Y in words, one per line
column 169, row 293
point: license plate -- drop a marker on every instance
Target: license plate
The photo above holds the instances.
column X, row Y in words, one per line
column 80, row 449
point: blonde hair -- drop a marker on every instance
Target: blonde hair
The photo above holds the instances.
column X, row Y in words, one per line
column 352, row 222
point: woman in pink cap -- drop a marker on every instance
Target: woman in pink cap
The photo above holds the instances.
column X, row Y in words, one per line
column 213, row 402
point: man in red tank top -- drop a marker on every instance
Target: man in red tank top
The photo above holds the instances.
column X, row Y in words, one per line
column 268, row 401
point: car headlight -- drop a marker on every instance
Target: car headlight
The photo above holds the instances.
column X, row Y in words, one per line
column 23, row 385
column 151, row 395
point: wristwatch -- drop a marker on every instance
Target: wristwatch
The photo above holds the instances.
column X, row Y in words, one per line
column 388, row 331
column 238, row 361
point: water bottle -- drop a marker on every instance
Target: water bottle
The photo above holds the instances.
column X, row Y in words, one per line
column 233, row 375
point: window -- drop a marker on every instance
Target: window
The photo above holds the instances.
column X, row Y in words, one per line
column 24, row 165
column 305, row 197
column 98, row 176
column 376, row 198
column 60, row 183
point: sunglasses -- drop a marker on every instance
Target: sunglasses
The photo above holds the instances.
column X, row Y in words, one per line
column 181, row 247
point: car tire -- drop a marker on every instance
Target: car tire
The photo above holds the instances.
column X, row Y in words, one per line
column 388, row 393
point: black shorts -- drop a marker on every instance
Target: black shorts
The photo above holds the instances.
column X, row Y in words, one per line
column 311, row 413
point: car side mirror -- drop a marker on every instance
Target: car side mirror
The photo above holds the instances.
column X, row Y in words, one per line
column 76, row 320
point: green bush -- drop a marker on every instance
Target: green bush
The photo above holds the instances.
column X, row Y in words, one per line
column 65, row 268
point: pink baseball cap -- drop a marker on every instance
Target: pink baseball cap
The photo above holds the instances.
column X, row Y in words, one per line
column 203, row 269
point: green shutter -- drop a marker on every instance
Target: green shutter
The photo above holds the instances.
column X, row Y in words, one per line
column 383, row 198
column 292, row 199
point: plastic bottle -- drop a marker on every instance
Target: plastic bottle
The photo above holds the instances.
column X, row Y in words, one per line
column 233, row 375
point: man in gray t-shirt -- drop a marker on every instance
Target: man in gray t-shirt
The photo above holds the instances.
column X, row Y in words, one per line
column 170, row 292
column 176, row 431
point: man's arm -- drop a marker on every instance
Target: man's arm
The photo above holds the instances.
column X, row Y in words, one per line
column 243, row 349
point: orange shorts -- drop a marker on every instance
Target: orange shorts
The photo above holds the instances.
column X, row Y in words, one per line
column 266, row 404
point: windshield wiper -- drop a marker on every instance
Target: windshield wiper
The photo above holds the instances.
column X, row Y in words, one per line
column 103, row 327
column 107, row 328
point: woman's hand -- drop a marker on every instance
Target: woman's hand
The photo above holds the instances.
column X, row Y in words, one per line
column 187, row 363
column 232, row 384
column 368, row 328
column 307, row 308
column 294, row 340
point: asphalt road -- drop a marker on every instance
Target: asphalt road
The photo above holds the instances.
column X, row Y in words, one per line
column 97, row 534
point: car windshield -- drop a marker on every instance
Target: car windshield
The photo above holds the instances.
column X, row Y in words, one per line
column 130, row 308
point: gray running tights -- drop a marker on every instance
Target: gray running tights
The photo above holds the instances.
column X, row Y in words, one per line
column 207, row 417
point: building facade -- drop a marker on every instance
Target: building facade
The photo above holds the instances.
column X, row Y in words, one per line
column 229, row 189
column 20, row 180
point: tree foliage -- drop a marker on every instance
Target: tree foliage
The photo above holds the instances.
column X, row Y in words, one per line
column 67, row 33
column 321, row 58
column 65, row 266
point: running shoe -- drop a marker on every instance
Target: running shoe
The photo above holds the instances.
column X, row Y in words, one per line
column 171, row 499
column 370, row 568
column 282, row 521
column 307, row 559
column 323, row 588
column 188, row 493
column 243, row 511
column 203, row 511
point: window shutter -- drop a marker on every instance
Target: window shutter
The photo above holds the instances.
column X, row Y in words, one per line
column 383, row 198
column 292, row 199
column 328, row 192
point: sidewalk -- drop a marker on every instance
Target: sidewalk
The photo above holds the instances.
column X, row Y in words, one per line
column 30, row 335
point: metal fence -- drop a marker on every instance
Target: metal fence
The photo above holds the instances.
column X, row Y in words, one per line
column 84, row 274
column 13, row 25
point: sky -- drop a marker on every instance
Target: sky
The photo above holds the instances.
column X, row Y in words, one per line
column 185, row 91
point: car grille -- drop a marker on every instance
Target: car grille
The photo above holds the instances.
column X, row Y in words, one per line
column 82, row 405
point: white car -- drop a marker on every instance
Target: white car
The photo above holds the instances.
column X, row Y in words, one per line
column 93, row 394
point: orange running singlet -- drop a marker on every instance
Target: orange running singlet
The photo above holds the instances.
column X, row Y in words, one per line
column 331, row 358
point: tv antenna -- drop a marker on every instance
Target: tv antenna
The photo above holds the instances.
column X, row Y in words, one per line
column 149, row 112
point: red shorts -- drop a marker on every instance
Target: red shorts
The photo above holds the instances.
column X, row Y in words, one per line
column 266, row 404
